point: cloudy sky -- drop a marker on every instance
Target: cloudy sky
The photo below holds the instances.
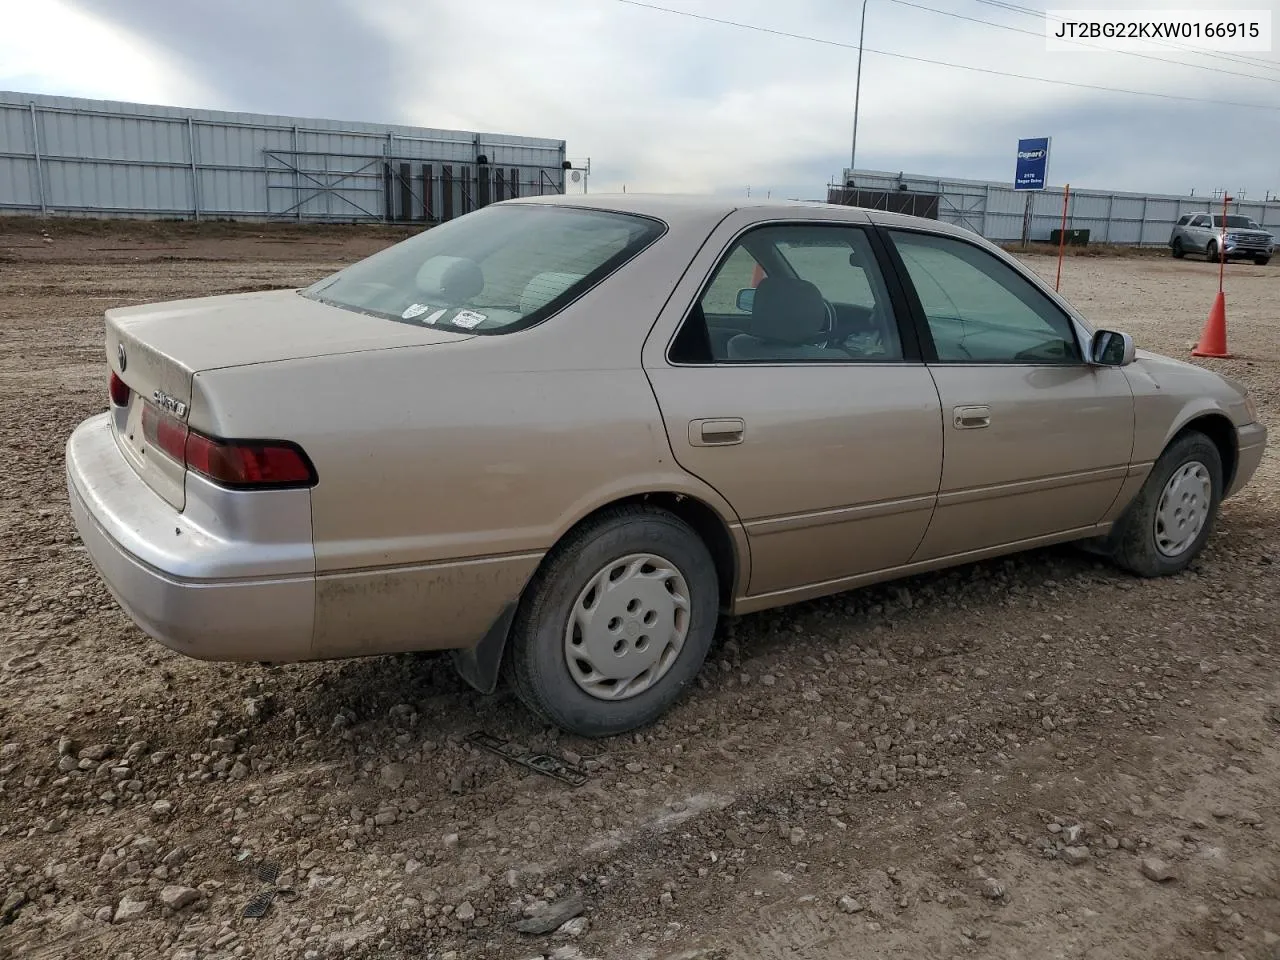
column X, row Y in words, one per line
column 660, row 101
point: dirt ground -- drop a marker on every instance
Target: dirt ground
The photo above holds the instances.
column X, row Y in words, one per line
column 1036, row 757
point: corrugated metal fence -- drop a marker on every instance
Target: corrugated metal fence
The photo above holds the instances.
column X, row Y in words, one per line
column 68, row 156
column 996, row 211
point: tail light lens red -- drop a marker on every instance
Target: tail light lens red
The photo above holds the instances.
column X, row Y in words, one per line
column 119, row 391
column 238, row 464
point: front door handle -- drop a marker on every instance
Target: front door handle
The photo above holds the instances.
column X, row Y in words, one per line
column 716, row 433
column 972, row 417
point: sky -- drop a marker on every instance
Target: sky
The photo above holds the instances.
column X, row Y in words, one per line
column 664, row 102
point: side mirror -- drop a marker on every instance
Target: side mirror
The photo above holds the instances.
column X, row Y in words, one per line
column 746, row 299
column 1111, row 349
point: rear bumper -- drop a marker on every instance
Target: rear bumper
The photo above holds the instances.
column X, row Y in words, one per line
column 1251, row 444
column 192, row 580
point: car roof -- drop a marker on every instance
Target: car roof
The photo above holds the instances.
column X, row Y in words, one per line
column 670, row 207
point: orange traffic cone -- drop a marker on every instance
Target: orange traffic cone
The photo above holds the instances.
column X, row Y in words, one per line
column 757, row 274
column 1213, row 340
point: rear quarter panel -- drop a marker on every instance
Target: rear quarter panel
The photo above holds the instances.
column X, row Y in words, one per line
column 447, row 471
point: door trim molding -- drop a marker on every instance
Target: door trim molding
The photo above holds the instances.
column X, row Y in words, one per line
column 952, row 498
column 863, row 511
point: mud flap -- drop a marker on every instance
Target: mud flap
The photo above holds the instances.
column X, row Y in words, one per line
column 480, row 665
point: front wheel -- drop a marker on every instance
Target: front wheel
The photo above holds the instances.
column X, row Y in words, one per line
column 1211, row 251
column 1167, row 524
column 616, row 625
column 1262, row 261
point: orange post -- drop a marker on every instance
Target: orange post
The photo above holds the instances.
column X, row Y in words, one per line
column 1222, row 241
column 1062, row 235
column 757, row 274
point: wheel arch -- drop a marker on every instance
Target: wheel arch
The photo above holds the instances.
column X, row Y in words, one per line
column 1222, row 432
column 481, row 665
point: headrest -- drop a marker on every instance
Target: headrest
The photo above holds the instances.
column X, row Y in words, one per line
column 452, row 279
column 788, row 310
column 544, row 288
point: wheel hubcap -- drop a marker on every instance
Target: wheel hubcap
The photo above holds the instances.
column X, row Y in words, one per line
column 627, row 627
column 1183, row 508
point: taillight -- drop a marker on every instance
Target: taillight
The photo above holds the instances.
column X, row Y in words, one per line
column 164, row 432
column 248, row 463
column 239, row 464
column 119, row 391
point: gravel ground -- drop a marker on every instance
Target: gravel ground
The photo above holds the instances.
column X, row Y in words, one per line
column 1035, row 757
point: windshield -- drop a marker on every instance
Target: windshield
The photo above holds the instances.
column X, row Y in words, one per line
column 1243, row 223
column 495, row 270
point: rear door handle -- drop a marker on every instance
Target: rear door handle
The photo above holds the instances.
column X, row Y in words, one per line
column 716, row 433
column 972, row 418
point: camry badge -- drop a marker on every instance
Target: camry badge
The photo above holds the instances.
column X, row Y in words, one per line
column 168, row 403
column 121, row 356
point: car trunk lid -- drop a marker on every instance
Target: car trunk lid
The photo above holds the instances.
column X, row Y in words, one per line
column 157, row 349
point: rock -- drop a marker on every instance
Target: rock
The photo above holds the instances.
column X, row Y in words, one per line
column 385, row 818
column 1047, row 722
column 450, row 841
column 97, row 753
column 13, row 902
column 222, row 745
column 796, row 836
column 67, row 764
column 178, row 898
column 768, row 680
column 162, row 810
column 66, row 747
column 993, row 889
column 129, row 909
column 103, row 915
column 465, row 912
column 567, row 952
column 1073, row 834
column 575, row 927
column 883, row 744
column 1156, row 870
column 1249, row 817
column 239, row 771
column 849, row 905
column 1075, row 855
column 553, row 915
column 394, row 775
column 667, row 899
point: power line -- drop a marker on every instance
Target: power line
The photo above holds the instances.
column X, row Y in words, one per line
column 943, row 63
column 1085, row 43
column 1236, row 58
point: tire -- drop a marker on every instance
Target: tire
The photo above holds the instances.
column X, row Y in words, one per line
column 553, row 684
column 1262, row 261
column 1137, row 541
column 1178, row 250
column 1211, row 251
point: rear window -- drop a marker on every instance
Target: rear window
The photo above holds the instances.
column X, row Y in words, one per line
column 496, row 270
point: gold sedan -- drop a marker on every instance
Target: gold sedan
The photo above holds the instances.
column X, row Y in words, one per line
column 560, row 437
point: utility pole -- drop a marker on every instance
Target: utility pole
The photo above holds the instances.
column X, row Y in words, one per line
column 857, row 92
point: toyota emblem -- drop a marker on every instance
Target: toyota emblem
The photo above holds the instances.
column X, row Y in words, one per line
column 122, row 356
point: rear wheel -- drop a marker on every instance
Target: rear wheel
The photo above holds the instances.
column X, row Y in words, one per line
column 1167, row 524
column 1178, row 250
column 616, row 624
